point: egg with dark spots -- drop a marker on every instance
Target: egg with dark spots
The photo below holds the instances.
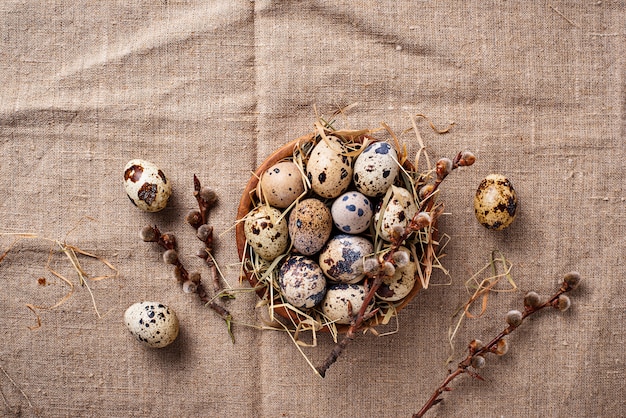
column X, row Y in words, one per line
column 376, row 169
column 329, row 168
column 342, row 257
column 146, row 185
column 352, row 212
column 310, row 225
column 397, row 213
column 152, row 323
column 342, row 302
column 495, row 202
column 301, row 282
column 266, row 232
column 281, row 184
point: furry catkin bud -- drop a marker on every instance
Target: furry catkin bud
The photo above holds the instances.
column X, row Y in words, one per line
column 572, row 279
column 475, row 345
column 478, row 362
column 501, row 348
column 204, row 232
column 467, row 159
column 169, row 240
column 371, row 266
column 170, row 257
column 443, row 167
column 401, row 259
column 532, row 299
column 563, row 303
column 148, row 234
column 426, row 190
column 388, row 269
column 208, row 195
column 189, row 287
column 397, row 231
column 423, row 219
column 194, row 218
column 514, row 318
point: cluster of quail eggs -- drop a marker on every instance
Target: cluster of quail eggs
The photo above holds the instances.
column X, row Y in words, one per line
column 315, row 221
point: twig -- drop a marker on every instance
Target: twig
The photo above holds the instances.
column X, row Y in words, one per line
column 420, row 220
column 191, row 282
column 17, row 387
column 498, row 345
column 563, row 16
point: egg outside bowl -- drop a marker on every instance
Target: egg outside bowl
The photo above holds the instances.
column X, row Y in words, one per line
column 246, row 204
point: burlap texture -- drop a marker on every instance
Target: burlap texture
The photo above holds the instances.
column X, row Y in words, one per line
column 536, row 89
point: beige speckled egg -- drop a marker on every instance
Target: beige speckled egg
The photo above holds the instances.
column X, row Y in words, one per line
column 152, row 323
column 146, row 185
column 400, row 284
column 310, row 225
column 375, row 169
column 302, row 282
column 398, row 212
column 342, row 257
column 329, row 169
column 335, row 304
column 281, row 184
column 266, row 232
column 495, row 203
column 352, row 212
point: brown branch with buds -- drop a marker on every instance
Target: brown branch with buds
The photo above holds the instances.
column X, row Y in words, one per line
column 191, row 282
column 206, row 198
column 386, row 267
column 499, row 345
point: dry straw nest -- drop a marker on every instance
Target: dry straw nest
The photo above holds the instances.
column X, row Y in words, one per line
column 262, row 275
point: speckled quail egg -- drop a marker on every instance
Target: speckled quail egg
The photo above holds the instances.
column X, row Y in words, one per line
column 352, row 212
column 146, row 185
column 310, row 225
column 335, row 304
column 495, row 203
column 341, row 259
column 329, row 168
column 302, row 282
column 152, row 323
column 281, row 184
column 266, row 231
column 375, row 169
column 397, row 213
column 401, row 283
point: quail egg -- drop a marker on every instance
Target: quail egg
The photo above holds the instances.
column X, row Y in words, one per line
column 342, row 257
column 399, row 285
column 329, row 168
column 495, row 202
column 310, row 225
column 302, row 282
column 267, row 232
column 352, row 212
column 375, row 169
column 152, row 323
column 398, row 212
column 146, row 185
column 343, row 302
column 281, row 184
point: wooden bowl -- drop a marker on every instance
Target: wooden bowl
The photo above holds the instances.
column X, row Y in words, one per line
column 246, row 205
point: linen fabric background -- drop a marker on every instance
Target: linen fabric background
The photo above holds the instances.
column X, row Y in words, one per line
column 536, row 89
